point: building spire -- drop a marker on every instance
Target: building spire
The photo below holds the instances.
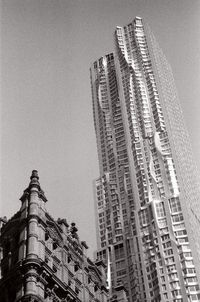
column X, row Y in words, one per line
column 34, row 174
column 34, row 179
column 34, row 183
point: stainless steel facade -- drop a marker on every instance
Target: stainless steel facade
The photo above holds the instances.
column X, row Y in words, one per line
column 147, row 195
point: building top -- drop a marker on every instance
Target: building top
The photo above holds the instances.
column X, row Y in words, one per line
column 42, row 257
column 34, row 183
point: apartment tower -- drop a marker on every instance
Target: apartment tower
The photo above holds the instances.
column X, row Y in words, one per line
column 147, row 196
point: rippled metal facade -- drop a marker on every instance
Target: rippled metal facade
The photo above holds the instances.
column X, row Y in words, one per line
column 147, row 196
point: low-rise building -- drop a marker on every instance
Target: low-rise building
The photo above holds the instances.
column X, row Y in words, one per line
column 43, row 260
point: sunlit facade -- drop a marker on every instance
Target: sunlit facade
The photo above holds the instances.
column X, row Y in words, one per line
column 147, row 195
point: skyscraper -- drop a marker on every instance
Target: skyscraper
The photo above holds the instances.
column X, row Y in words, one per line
column 147, row 196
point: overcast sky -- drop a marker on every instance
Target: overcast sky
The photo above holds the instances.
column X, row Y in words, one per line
column 47, row 47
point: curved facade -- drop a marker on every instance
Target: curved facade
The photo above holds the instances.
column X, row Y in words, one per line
column 148, row 182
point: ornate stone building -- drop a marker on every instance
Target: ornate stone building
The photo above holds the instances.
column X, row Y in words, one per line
column 43, row 260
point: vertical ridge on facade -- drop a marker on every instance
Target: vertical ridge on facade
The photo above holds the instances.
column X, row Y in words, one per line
column 148, row 189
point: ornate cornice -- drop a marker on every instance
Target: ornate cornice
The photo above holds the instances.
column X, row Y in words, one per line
column 30, row 298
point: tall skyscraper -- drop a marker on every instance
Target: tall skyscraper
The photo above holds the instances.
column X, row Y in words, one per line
column 147, row 195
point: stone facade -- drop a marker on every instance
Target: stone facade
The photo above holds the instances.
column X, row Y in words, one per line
column 43, row 260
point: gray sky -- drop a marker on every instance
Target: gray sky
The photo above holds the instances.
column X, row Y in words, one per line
column 47, row 47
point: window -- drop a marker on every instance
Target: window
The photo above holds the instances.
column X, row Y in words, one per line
column 168, row 252
column 169, row 260
column 120, row 264
column 162, row 223
column 189, row 271
column 179, row 226
column 173, row 276
column 167, row 244
column 172, row 268
column 175, row 285
column 163, row 287
column 195, row 297
column 189, row 263
column 175, row 205
column 181, row 233
column 160, row 210
column 120, row 273
column 183, row 240
column 143, row 216
column 119, row 238
column 191, row 279
column 162, row 279
column 193, row 288
column 177, row 217
column 119, row 252
column 165, row 237
column 176, row 293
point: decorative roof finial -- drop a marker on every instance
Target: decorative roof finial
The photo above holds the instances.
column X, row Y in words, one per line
column 34, row 179
column 34, row 174
column 34, row 183
column 74, row 230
